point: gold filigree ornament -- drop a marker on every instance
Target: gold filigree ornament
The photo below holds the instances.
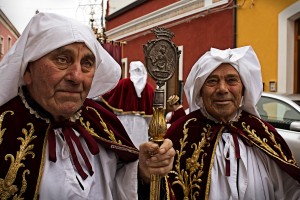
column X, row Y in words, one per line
column 91, row 130
column 190, row 178
column 7, row 189
column 2, row 131
column 263, row 142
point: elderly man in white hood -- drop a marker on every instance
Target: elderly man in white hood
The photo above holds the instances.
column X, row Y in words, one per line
column 224, row 150
column 55, row 142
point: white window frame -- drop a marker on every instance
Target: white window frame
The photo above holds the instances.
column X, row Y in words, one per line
column 1, row 45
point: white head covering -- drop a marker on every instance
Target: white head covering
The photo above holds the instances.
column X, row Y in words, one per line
column 243, row 59
column 44, row 33
column 138, row 76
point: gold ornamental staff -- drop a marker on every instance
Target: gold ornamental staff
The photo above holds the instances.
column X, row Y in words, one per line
column 161, row 59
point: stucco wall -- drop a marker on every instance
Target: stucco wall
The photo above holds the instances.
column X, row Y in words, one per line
column 196, row 37
column 257, row 25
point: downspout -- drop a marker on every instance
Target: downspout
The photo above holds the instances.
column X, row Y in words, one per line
column 234, row 16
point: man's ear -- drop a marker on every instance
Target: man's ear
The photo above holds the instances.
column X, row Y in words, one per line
column 27, row 75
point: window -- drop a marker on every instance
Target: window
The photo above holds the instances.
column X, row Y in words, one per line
column 1, row 45
column 278, row 112
column 9, row 42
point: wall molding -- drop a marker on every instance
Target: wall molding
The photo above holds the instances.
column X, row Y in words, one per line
column 171, row 13
column 286, row 34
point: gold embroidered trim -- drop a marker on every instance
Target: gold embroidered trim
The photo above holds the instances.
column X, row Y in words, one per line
column 262, row 143
column 167, row 188
column 2, row 131
column 124, row 148
column 119, row 111
column 212, row 162
column 7, row 189
column 190, row 178
column 41, row 171
column 91, row 130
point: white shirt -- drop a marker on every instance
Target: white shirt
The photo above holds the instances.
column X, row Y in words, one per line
column 136, row 127
column 111, row 180
column 255, row 176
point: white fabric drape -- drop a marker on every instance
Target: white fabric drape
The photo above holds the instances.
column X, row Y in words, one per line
column 111, row 180
column 255, row 177
column 138, row 76
column 137, row 128
column 243, row 59
column 44, row 33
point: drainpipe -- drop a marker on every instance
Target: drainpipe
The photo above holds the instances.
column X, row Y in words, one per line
column 234, row 23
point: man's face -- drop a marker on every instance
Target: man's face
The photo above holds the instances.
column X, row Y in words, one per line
column 60, row 81
column 222, row 92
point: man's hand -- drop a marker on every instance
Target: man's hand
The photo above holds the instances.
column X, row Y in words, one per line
column 154, row 159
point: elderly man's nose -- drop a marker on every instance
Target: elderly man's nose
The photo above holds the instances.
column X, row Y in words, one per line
column 222, row 85
column 75, row 71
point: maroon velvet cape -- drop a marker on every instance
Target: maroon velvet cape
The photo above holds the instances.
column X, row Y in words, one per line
column 124, row 97
column 176, row 115
column 23, row 139
column 195, row 139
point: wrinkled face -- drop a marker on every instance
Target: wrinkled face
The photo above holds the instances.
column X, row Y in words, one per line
column 222, row 92
column 60, row 81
